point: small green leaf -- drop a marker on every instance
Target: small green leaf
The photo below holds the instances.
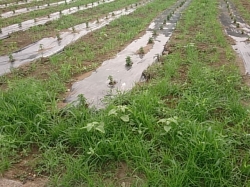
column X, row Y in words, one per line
column 89, row 126
column 100, row 127
column 125, row 118
column 112, row 112
column 162, row 121
column 167, row 128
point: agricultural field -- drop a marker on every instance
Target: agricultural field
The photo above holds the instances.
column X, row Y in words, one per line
column 124, row 93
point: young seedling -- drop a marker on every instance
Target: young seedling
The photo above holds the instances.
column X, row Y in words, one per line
column 113, row 14
column 234, row 20
column 126, row 9
column 58, row 37
column 60, row 12
column 237, row 25
column 87, row 24
column 11, row 58
column 165, row 22
column 73, row 29
column 154, row 32
column 97, row 20
column 168, row 17
column 161, row 27
column 41, row 47
column 150, row 40
column 14, row 11
column 1, row 31
column 141, row 51
column 158, row 57
column 129, row 62
column 20, row 25
column 111, row 80
column 49, row 16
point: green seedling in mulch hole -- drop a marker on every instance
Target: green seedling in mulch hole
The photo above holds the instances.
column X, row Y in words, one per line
column 141, row 51
column 14, row 11
column 38, row 6
column 242, row 32
column 86, row 5
column 150, row 40
column 48, row 4
column 87, row 24
column 78, row 7
column 168, row 17
column 58, row 37
column 41, row 47
column 237, row 25
column 154, row 33
column 106, row 16
column 92, row 3
column 11, row 58
column 74, row 29
column 161, row 27
column 136, row 4
column 126, row 9
column 129, row 62
column 60, row 12
column 20, row 25
column 112, row 82
column 158, row 57
column 1, row 31
column 165, row 22
column 131, row 6
column 113, row 14
column 49, row 16
column 97, row 20
column 234, row 20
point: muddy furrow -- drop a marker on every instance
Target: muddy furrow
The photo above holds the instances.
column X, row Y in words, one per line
column 43, row 20
column 238, row 30
column 30, row 9
column 98, row 85
column 49, row 46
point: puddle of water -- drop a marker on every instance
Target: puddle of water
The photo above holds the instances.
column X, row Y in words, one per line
column 18, row 3
column 30, row 9
column 239, row 34
column 42, row 20
column 49, row 46
column 96, row 87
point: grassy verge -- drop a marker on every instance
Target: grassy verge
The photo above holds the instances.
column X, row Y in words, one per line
column 24, row 38
column 189, row 126
column 40, row 13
